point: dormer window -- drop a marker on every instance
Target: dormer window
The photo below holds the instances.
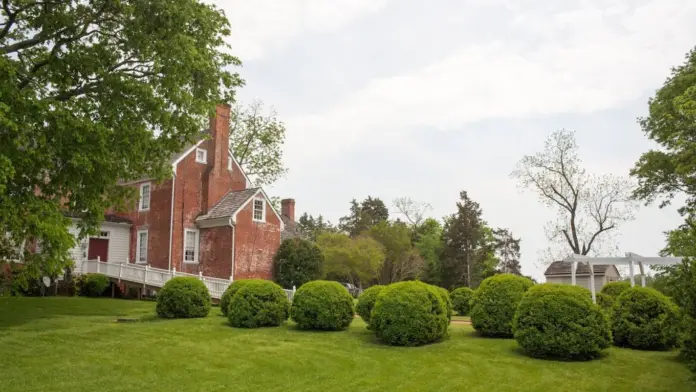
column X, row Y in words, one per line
column 201, row 155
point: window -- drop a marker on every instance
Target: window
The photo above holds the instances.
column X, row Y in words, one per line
column 103, row 234
column 141, row 250
column 201, row 155
column 229, row 163
column 190, row 246
column 145, row 197
column 259, row 210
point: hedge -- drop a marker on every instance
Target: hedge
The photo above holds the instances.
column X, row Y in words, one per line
column 229, row 293
column 297, row 262
column 366, row 301
column 646, row 319
column 494, row 304
column 446, row 300
column 322, row 305
column 560, row 321
column 183, row 297
column 258, row 303
column 92, row 285
column 605, row 302
column 409, row 314
column 614, row 289
column 461, row 300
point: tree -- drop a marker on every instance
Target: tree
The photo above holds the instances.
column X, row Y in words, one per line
column 402, row 262
column 93, row 92
column 413, row 211
column 312, row 227
column 429, row 246
column 297, row 262
column 508, row 250
column 256, row 140
column 363, row 215
column 462, row 236
column 357, row 260
column 589, row 207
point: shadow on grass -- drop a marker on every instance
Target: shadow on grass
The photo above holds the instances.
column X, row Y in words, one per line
column 519, row 352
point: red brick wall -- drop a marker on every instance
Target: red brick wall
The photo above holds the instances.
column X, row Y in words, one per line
column 155, row 221
column 215, row 257
column 255, row 244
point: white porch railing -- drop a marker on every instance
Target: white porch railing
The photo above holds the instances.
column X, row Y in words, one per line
column 157, row 277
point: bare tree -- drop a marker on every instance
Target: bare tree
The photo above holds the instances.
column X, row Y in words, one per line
column 590, row 207
column 413, row 211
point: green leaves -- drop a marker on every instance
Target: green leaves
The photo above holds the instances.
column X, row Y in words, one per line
column 93, row 93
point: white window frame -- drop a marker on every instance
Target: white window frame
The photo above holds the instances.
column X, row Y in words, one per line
column 196, row 247
column 229, row 163
column 137, row 246
column 205, row 155
column 263, row 209
column 149, row 197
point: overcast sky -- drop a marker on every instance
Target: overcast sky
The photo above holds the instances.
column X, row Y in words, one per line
column 424, row 99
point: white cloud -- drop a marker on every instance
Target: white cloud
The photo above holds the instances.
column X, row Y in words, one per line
column 589, row 57
column 258, row 25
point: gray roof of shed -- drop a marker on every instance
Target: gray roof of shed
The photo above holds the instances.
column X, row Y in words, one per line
column 563, row 268
column 229, row 204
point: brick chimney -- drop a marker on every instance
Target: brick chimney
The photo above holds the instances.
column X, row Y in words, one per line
column 218, row 154
column 287, row 208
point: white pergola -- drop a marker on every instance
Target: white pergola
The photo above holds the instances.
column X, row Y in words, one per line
column 631, row 259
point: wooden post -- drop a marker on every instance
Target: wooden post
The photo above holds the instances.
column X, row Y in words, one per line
column 147, row 268
column 173, row 272
column 98, row 260
column 200, row 274
column 120, row 271
column 592, row 283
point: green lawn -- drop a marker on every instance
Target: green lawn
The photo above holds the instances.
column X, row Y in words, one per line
column 74, row 344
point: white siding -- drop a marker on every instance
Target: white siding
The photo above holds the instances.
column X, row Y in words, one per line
column 119, row 243
column 583, row 281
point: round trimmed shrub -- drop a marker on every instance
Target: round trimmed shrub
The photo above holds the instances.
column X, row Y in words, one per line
column 366, row 301
column 461, row 300
column 605, row 302
column 183, row 297
column 560, row 321
column 229, row 293
column 614, row 289
column 297, row 262
column 409, row 314
column 645, row 319
column 494, row 304
column 322, row 305
column 92, row 285
column 446, row 300
column 258, row 303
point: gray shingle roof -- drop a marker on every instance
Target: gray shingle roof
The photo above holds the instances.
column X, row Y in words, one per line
column 563, row 268
column 229, row 204
column 291, row 230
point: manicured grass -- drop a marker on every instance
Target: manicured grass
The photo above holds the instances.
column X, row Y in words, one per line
column 74, row 344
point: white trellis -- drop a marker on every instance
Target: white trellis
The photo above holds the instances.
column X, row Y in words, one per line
column 631, row 259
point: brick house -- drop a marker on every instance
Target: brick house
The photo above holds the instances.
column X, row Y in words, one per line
column 206, row 219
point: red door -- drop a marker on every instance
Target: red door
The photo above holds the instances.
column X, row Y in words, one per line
column 98, row 247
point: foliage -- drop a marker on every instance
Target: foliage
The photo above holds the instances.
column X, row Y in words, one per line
column 605, row 302
column 258, row 303
column 614, row 289
column 401, row 261
column 646, row 319
column 355, row 259
column 409, row 314
column 229, row 293
column 256, row 140
column 494, row 303
column 671, row 170
column 413, row 211
column 462, row 237
column 363, row 215
column 183, row 297
column 589, row 207
column 461, row 300
column 446, row 300
column 92, row 285
column 312, row 227
column 507, row 248
column 560, row 321
column 322, row 305
column 297, row 262
column 428, row 243
column 94, row 92
column 366, row 301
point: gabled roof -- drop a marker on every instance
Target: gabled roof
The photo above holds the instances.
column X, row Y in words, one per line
column 562, row 268
column 229, row 204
